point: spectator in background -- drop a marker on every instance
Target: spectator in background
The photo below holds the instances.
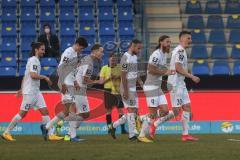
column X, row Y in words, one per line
column 51, row 42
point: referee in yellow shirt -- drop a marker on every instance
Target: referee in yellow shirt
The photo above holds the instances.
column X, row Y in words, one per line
column 110, row 76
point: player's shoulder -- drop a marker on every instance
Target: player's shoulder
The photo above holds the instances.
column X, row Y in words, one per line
column 68, row 51
column 33, row 59
column 156, row 53
column 178, row 50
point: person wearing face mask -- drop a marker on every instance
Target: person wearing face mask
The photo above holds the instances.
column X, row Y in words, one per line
column 51, row 42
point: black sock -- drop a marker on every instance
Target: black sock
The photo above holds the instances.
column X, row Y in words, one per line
column 109, row 119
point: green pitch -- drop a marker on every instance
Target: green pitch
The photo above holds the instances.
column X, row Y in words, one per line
column 165, row 147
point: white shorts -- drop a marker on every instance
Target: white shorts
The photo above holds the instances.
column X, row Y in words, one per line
column 132, row 101
column 35, row 101
column 179, row 96
column 154, row 95
column 69, row 96
column 82, row 105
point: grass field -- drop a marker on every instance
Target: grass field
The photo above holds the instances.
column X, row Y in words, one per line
column 167, row 147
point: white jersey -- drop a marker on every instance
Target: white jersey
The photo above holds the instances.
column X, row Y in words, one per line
column 84, row 70
column 31, row 86
column 179, row 55
column 158, row 59
column 67, row 66
column 129, row 64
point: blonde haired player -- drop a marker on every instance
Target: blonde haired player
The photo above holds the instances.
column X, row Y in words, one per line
column 30, row 89
column 156, row 99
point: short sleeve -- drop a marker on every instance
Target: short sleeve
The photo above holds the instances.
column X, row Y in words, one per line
column 34, row 66
column 179, row 58
column 102, row 72
column 154, row 60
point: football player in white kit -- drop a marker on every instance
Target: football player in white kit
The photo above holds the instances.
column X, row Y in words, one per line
column 67, row 82
column 156, row 99
column 30, row 89
column 129, row 77
column 179, row 94
column 83, row 78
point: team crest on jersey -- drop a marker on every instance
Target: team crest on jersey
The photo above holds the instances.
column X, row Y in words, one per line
column 181, row 57
column 65, row 59
column 124, row 66
column 35, row 67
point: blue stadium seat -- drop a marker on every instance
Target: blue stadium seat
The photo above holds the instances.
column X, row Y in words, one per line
column 236, row 68
column 26, row 43
column 125, row 14
column 126, row 31
column 124, row 45
column 7, row 71
column 85, row 3
column 233, row 22
column 67, row 41
column 193, row 7
column 105, row 3
column 28, row 14
column 47, row 3
column 232, row 7
column 199, row 52
column 219, row 51
column 198, row 36
column 86, row 14
column 46, row 70
column 125, row 24
column 8, row 62
column 107, row 38
column 8, row 54
column 49, row 62
column 9, row 29
column 22, row 70
column 215, row 22
column 28, row 3
column 213, row 7
column 221, row 68
column 195, row 21
column 106, row 30
column 200, row 68
column 124, row 3
column 8, row 44
column 12, row 3
column 66, row 3
column 47, row 15
column 28, row 28
column 67, row 29
column 87, row 30
column 9, row 14
column 105, row 14
column 217, row 36
column 234, row 36
column 67, row 14
column 235, row 51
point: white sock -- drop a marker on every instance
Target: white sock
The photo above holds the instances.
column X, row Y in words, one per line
column 45, row 120
column 13, row 123
column 131, row 124
column 73, row 125
column 120, row 121
column 144, row 117
column 161, row 120
column 145, row 126
column 56, row 119
column 185, row 121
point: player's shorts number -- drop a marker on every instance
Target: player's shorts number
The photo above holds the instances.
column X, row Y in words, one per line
column 27, row 106
column 179, row 101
